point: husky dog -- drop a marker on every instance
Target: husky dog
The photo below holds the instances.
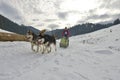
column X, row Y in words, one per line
column 48, row 40
column 42, row 42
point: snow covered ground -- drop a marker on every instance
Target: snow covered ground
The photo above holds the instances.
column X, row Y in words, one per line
column 93, row 56
column 1, row 30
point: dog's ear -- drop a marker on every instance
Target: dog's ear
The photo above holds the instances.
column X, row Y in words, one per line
column 43, row 31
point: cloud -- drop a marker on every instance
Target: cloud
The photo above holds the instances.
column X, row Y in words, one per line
column 106, row 13
column 10, row 12
column 35, row 19
column 116, row 16
column 80, row 21
column 62, row 15
column 40, row 25
column 50, row 20
column 53, row 26
column 95, row 16
column 37, row 11
column 115, row 4
column 52, row 13
column 110, row 4
column 58, row 3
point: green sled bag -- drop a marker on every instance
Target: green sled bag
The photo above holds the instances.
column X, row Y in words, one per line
column 64, row 42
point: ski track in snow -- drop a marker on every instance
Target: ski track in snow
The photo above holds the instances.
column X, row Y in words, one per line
column 94, row 56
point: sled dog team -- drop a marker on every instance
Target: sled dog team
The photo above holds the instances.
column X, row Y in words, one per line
column 43, row 43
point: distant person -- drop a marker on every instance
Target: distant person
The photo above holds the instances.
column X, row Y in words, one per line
column 66, row 32
column 64, row 42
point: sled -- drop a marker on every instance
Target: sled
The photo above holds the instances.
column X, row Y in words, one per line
column 64, row 42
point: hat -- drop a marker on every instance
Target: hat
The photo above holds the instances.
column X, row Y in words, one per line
column 65, row 27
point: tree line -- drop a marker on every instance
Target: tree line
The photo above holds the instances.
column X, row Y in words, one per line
column 78, row 29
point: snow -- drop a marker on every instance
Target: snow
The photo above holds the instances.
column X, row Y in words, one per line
column 93, row 56
column 1, row 30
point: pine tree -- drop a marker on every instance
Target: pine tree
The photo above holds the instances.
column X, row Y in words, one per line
column 117, row 21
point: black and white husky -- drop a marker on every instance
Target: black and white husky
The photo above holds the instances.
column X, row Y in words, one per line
column 41, row 43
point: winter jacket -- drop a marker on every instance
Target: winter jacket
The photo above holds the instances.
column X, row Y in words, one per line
column 66, row 33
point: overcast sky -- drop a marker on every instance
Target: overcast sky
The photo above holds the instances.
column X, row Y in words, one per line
column 56, row 14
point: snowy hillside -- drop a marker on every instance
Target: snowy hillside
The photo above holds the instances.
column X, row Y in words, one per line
column 1, row 30
column 94, row 56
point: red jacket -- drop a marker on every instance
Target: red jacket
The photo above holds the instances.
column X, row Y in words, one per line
column 66, row 33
